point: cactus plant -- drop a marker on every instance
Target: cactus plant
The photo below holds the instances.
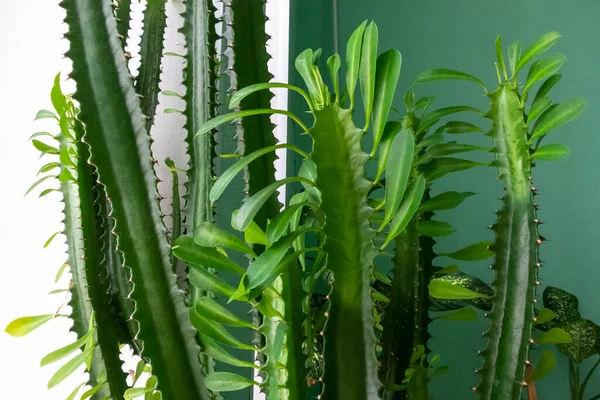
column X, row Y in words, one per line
column 517, row 134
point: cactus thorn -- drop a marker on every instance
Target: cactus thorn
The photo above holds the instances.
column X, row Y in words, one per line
column 474, row 389
column 535, row 301
column 523, row 383
column 538, row 264
column 531, row 341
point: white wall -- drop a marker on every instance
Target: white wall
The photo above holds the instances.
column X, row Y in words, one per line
column 31, row 53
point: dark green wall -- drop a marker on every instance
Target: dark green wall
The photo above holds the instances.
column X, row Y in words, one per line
column 460, row 35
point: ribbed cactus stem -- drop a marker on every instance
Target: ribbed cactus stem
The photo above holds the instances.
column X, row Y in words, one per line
column 516, row 249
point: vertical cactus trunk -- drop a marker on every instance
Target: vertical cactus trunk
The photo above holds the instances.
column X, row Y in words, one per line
column 516, row 248
column 350, row 370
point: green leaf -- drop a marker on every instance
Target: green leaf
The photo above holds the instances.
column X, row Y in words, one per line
column 170, row 93
column 65, row 351
column 209, row 235
column 305, row 67
column 70, row 367
column 547, row 86
column 189, row 251
column 475, row 252
column 226, row 177
column 134, row 393
column 443, row 201
column 74, row 392
column 462, row 314
column 254, row 234
column 216, row 331
column 391, row 130
column 424, row 103
column 57, row 291
column 408, row 207
column 554, row 336
column 202, row 279
column 44, row 148
column 500, row 56
column 450, row 269
column 241, row 94
column 538, row 108
column 444, row 149
column 431, row 119
column 252, row 205
column 551, row 152
column 381, row 277
column 227, row 382
column 172, row 111
column 542, row 69
column 60, row 272
column 368, row 62
column 333, row 65
column 279, row 225
column 66, row 127
column 66, row 176
column 210, row 309
column 48, row 167
column 58, row 99
column 544, row 367
column 444, row 369
column 89, row 393
column 441, row 166
column 39, row 134
column 538, row 47
column 514, row 53
column 47, row 191
column 22, row 326
column 440, row 74
column 585, row 337
column 45, row 114
column 559, row 116
column 51, row 238
column 212, row 349
column 353, row 58
column 399, row 165
column 430, row 140
column 455, row 127
column 386, row 80
column 65, row 158
column 224, row 118
column 434, row 228
column 544, row 315
column 42, row 179
column 445, row 290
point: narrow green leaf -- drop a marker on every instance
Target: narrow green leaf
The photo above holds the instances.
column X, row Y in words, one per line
column 475, row 252
column 559, row 116
column 444, row 149
column 22, row 326
column 134, row 393
column 434, row 228
column 461, row 127
column 368, row 62
column 399, row 166
column 241, row 94
column 386, row 80
column 254, row 234
column 445, row 290
column 308, row 171
column 58, row 99
column 444, row 369
column 279, row 225
column 66, row 176
column 66, row 126
column 381, row 277
column 202, row 279
column 227, row 382
column 39, row 134
column 44, row 148
column 431, row 119
column 542, row 69
column 224, row 118
column 45, row 114
column 379, row 297
column 408, row 207
column 216, row 331
column 450, row 269
column 353, row 58
column 74, row 392
column 212, row 349
column 209, row 235
column 42, row 179
column 65, row 351
column 430, row 140
column 333, row 65
column 60, row 272
column 89, row 393
column 551, row 152
column 544, row 367
column 554, row 336
column 70, row 367
column 226, row 177
column 305, row 67
column 424, row 103
column 252, row 206
column 500, row 57
column 170, row 93
column 210, row 309
column 172, row 111
column 65, row 158
column 538, row 47
column 51, row 238
column 462, row 314
column 538, row 108
column 547, row 86
column 57, row 291
column 440, row 74
column 48, row 167
column 441, row 166
column 443, row 201
column 186, row 249
column 514, row 53
column 391, row 130
column 544, row 315
column 47, row 191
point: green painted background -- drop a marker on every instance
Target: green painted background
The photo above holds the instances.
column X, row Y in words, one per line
column 460, row 35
